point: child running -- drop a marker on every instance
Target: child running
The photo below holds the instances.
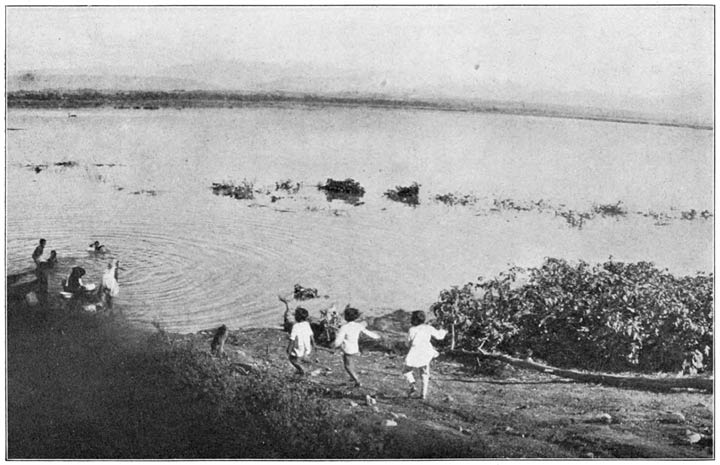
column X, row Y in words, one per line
column 348, row 336
column 421, row 351
column 301, row 340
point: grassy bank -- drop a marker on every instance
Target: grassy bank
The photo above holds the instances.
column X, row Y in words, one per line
column 86, row 385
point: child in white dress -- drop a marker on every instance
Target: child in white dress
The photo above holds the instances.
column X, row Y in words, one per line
column 421, row 351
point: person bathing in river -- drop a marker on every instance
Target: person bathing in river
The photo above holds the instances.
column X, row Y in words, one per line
column 43, row 268
column 421, row 351
column 109, row 287
column 52, row 261
column 347, row 338
column 96, row 247
column 38, row 252
column 301, row 340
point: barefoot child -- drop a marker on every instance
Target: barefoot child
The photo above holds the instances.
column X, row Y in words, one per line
column 301, row 340
column 421, row 351
column 348, row 336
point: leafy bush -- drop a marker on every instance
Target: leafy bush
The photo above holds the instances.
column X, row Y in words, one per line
column 405, row 194
column 612, row 317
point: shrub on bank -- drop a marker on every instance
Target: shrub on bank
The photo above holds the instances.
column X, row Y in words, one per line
column 612, row 317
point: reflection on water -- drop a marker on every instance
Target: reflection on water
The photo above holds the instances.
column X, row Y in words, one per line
column 194, row 260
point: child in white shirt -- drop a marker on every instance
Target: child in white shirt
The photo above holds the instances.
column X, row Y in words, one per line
column 421, row 351
column 348, row 336
column 301, row 340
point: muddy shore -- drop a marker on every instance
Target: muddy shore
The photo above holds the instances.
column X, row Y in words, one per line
column 83, row 385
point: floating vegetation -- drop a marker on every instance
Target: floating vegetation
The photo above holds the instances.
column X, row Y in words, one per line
column 304, row 293
column 348, row 190
column 509, row 204
column 610, row 209
column 243, row 191
column 288, row 186
column 575, row 219
column 67, row 164
column 661, row 219
column 694, row 214
column 150, row 192
column 456, row 199
column 405, row 194
column 36, row 168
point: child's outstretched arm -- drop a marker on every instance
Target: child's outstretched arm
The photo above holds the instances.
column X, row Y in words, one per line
column 370, row 334
column 438, row 333
column 284, row 300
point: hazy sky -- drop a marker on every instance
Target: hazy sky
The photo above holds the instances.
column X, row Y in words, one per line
column 655, row 52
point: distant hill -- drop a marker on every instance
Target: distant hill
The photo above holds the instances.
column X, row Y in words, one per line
column 37, row 81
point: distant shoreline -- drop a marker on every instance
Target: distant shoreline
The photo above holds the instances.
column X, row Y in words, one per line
column 145, row 100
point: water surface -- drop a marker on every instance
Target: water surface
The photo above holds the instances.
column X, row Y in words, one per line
column 194, row 260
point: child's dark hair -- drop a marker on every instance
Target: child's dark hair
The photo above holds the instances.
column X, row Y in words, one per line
column 351, row 314
column 417, row 318
column 301, row 314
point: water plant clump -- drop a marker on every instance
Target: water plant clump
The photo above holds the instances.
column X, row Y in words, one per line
column 510, row 204
column 304, row 293
column 693, row 214
column 610, row 209
column 348, row 190
column 67, row 164
column 612, row 316
column 575, row 219
column 456, row 199
column 406, row 194
column 242, row 191
column 288, row 186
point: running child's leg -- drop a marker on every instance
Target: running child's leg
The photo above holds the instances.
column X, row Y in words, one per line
column 349, row 362
column 408, row 375
column 295, row 361
column 425, row 375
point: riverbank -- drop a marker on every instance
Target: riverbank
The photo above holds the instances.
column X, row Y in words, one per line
column 84, row 385
column 155, row 100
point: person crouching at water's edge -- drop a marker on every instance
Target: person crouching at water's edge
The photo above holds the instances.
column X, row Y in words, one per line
column 301, row 340
column 421, row 351
column 74, row 282
column 348, row 337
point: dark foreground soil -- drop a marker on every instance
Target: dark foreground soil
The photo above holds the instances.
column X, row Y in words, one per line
column 88, row 386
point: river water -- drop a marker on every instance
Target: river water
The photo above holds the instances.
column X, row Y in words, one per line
column 193, row 260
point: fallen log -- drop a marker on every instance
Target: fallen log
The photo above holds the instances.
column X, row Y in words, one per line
column 636, row 382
